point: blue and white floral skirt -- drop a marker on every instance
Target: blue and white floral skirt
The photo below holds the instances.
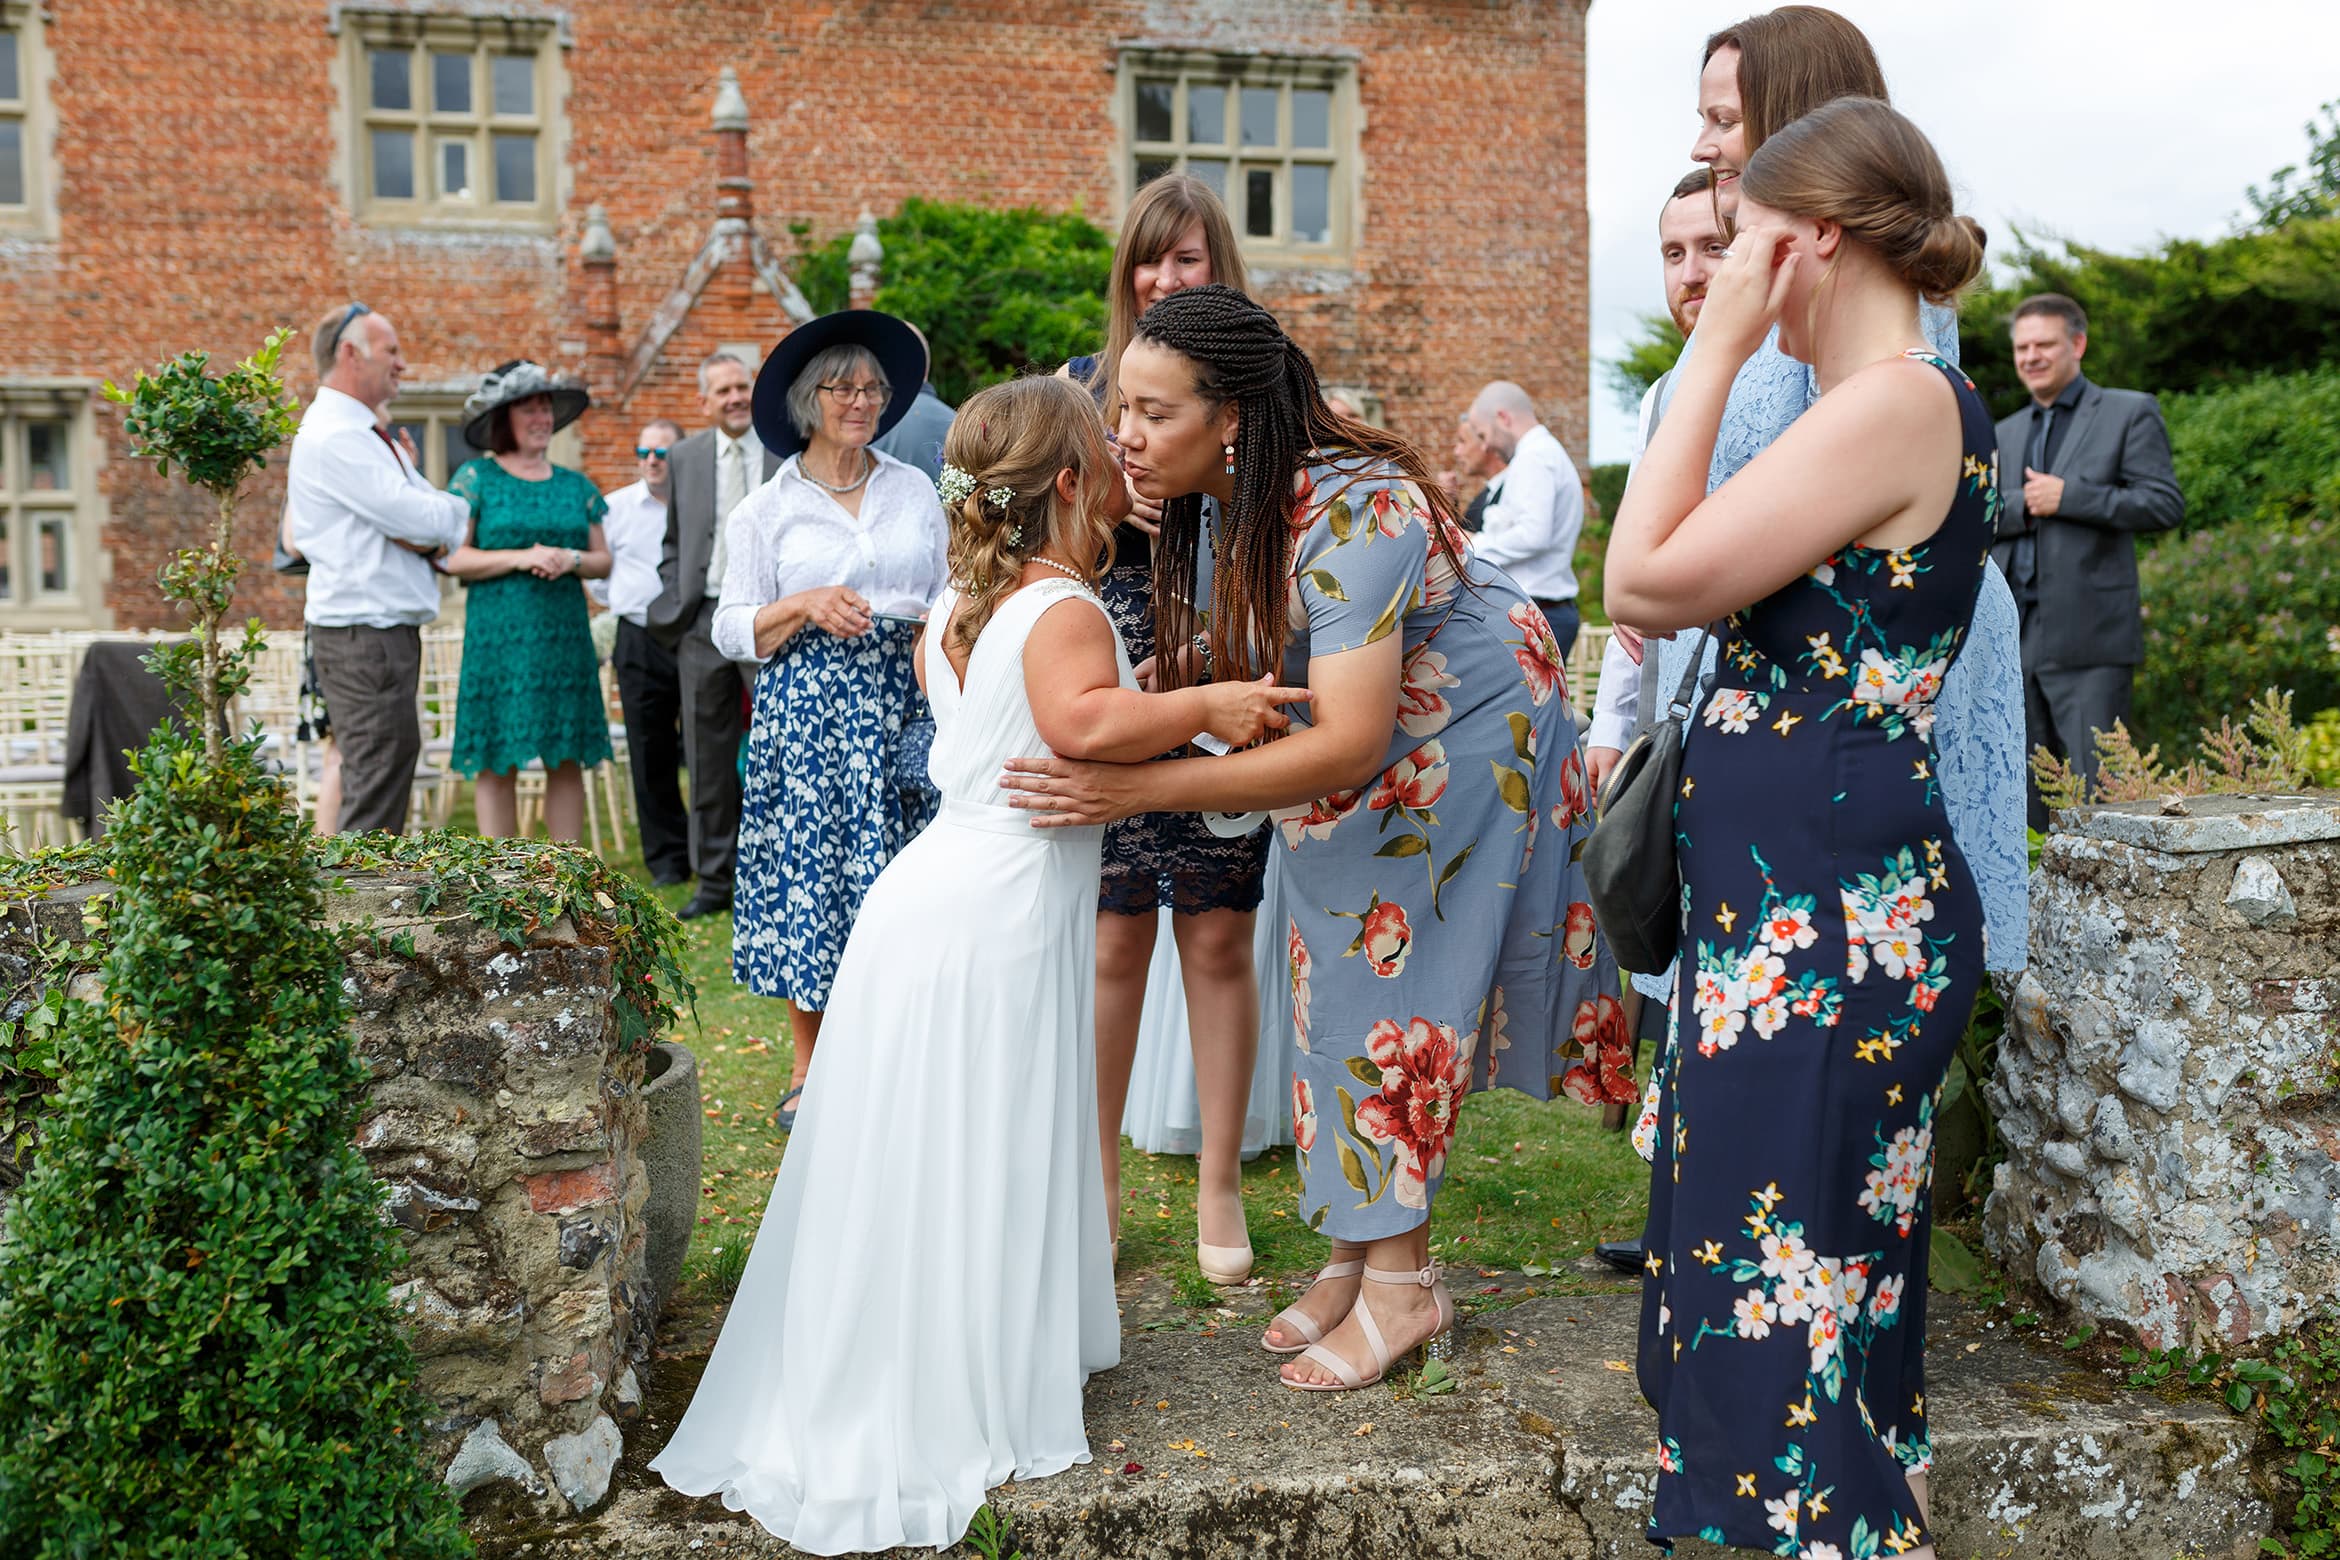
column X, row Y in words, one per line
column 820, row 814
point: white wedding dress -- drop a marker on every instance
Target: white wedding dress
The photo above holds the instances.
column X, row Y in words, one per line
column 932, row 1284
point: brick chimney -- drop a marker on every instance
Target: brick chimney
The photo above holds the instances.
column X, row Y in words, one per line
column 735, row 202
column 866, row 258
column 598, row 255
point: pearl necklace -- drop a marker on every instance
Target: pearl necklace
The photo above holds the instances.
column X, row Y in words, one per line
column 868, row 468
column 1066, row 570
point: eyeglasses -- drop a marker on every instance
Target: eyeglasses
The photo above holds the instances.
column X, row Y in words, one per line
column 848, row 395
column 355, row 309
column 645, row 451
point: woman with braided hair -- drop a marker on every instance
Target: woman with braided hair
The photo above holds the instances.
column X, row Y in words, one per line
column 1428, row 802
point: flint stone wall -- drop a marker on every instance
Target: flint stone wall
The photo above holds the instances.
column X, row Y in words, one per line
column 507, row 1128
column 2166, row 1086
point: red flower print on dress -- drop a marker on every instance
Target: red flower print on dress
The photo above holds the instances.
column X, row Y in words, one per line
column 1387, row 938
column 1538, row 653
column 1606, row 1072
column 1303, row 1114
column 1296, row 952
column 1390, row 512
column 1318, row 819
column 1575, row 792
column 1415, row 781
column 1422, row 707
column 1303, row 502
column 1580, row 941
column 1422, row 1082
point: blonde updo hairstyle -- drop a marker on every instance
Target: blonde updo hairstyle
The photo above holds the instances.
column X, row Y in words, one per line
column 1859, row 163
column 1016, row 437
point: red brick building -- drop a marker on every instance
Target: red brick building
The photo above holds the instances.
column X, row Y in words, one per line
column 1408, row 174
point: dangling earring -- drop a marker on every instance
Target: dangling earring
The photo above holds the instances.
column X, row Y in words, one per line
column 1230, row 460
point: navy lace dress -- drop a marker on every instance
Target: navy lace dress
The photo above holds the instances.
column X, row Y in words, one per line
column 1832, row 951
column 1164, row 859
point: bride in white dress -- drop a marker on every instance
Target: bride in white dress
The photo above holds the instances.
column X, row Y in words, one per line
column 931, row 1284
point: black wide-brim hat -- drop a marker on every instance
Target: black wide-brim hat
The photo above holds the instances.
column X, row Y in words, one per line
column 517, row 381
column 901, row 358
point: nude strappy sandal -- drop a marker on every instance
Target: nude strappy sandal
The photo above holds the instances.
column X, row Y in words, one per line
column 1439, row 1345
column 1297, row 1320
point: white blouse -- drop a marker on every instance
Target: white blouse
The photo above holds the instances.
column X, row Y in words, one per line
column 790, row 535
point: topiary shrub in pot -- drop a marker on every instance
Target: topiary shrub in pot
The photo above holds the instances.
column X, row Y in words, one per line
column 201, row 1357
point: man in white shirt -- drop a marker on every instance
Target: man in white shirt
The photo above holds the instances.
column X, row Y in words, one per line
column 1536, row 509
column 649, row 686
column 712, row 471
column 358, row 508
column 1691, row 247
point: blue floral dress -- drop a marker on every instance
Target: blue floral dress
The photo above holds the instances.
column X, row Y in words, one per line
column 1783, row 1313
column 1438, row 933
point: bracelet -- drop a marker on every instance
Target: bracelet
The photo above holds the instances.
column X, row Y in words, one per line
column 1210, row 665
column 576, row 560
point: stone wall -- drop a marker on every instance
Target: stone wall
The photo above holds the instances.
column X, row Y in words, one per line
column 2166, row 1085
column 507, row 1126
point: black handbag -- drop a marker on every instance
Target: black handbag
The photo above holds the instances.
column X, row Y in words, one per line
column 1631, row 875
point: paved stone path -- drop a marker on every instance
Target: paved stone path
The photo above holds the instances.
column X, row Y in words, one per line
column 1542, row 1450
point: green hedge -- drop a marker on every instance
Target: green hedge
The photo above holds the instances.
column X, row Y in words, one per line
column 2230, row 610
column 2268, row 448
column 997, row 292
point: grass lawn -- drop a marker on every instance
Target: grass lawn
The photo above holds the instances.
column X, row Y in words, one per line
column 1527, row 1183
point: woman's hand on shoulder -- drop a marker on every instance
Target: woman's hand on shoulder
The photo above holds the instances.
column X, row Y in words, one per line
column 1240, row 713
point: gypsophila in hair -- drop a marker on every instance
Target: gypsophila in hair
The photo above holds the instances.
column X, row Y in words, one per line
column 998, row 486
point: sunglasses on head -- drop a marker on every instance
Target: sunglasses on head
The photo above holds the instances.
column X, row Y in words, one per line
column 354, row 310
column 645, row 451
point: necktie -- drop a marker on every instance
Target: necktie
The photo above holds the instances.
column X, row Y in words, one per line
column 383, row 434
column 730, row 488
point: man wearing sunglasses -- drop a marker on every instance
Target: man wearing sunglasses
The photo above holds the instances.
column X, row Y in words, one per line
column 369, row 522
column 648, row 682
column 712, row 470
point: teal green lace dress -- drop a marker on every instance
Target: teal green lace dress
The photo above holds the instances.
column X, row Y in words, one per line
column 531, row 686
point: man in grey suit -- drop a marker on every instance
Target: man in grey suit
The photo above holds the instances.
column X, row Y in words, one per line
column 917, row 440
column 712, row 471
column 2096, row 471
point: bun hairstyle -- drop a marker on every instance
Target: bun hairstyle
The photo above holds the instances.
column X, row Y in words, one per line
column 1241, row 354
column 1009, row 442
column 1859, row 163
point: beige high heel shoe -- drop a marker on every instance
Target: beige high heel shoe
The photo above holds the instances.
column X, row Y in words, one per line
column 1224, row 1264
column 1439, row 1345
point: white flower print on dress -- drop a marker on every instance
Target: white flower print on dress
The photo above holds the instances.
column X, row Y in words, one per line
column 1887, row 1300
column 1755, row 1314
column 1733, row 709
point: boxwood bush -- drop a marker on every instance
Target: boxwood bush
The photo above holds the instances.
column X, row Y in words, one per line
column 201, row 1358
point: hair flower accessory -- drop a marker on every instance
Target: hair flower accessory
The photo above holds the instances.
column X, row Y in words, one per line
column 953, row 485
column 1000, row 497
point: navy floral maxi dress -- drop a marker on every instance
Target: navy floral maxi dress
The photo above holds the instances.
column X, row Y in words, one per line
column 1438, row 932
column 1783, row 1310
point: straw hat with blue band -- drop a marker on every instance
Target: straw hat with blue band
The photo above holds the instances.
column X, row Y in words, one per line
column 901, row 358
column 517, row 380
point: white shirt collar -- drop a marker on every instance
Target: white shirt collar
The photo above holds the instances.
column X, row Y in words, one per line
column 339, row 409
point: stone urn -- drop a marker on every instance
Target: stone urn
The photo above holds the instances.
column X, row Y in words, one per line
column 670, row 1157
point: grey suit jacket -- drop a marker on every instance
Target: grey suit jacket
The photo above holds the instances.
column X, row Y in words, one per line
column 2118, row 481
column 917, row 439
column 690, row 537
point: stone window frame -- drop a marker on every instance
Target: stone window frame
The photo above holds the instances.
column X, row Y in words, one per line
column 75, row 514
column 25, row 26
column 483, row 32
column 1341, row 156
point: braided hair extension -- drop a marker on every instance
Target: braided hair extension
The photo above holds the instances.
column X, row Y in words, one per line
column 1240, row 354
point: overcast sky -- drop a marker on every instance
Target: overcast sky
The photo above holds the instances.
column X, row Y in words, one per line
column 2117, row 122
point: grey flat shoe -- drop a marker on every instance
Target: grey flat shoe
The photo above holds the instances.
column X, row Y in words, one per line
column 785, row 1112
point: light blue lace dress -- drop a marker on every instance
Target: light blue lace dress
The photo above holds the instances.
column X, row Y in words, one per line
column 1978, row 723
